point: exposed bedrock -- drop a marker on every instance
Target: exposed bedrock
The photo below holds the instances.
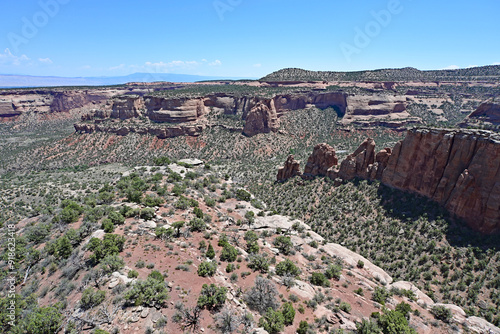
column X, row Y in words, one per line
column 459, row 169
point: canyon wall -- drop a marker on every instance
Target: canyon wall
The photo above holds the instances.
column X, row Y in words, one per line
column 459, row 169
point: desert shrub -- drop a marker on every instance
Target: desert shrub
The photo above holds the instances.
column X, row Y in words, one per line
column 303, row 327
column 177, row 227
column 112, row 263
column 404, row 309
column 91, row 298
column 229, row 253
column 63, row 247
column 147, row 213
column 111, row 244
column 393, row 322
column 212, row 297
column 381, row 295
column 262, row 295
column 287, row 267
column 210, row 251
column 284, row 244
column 38, row 233
column 227, row 320
column 346, row 307
column 40, row 320
column 155, row 274
column 319, row 279
column 442, row 313
column 150, row 292
column 108, row 226
column 133, row 274
column 272, row 321
column 368, row 327
column 152, row 201
column 223, row 240
column 197, row 225
column 258, row 262
column 207, row 269
column 116, row 217
column 243, row 195
column 288, row 313
column 162, row 161
column 251, row 238
column 333, row 271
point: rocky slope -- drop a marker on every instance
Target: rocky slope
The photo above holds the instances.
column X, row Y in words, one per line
column 167, row 246
column 459, row 169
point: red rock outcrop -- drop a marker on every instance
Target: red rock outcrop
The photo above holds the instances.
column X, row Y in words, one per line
column 289, row 170
column 127, row 106
column 487, row 115
column 458, row 169
column 321, row 161
column 359, row 163
column 261, row 119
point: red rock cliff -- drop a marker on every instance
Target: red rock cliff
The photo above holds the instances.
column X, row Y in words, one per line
column 458, row 169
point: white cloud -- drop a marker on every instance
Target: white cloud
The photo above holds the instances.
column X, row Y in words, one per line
column 7, row 58
column 116, row 68
column 257, row 65
column 496, row 63
column 217, row 62
column 45, row 61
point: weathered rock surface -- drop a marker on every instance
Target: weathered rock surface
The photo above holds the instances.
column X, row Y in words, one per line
column 321, row 160
column 127, row 106
column 261, row 119
column 289, row 170
column 378, row 110
column 458, row 169
column 487, row 114
column 360, row 162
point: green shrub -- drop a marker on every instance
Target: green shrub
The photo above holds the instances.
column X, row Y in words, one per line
column 303, row 327
column 229, row 253
column 110, row 245
column 346, row 307
column 273, row 321
column 116, row 217
column 155, row 274
column 210, row 252
column 212, row 297
column 288, row 313
column 442, row 313
column 393, row 322
column 91, row 298
column 112, row 263
column 108, row 226
column 150, row 292
column 319, row 279
column 243, row 195
column 197, row 225
column 287, row 267
column 133, row 274
column 333, row 271
column 368, row 327
column 258, row 262
column 251, row 238
column 284, row 244
column 207, row 269
column 381, row 295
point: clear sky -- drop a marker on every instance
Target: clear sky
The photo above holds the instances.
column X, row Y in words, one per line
column 243, row 38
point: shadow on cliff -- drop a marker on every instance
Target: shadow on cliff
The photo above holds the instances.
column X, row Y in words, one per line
column 412, row 207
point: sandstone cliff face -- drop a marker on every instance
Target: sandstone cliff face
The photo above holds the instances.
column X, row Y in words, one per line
column 127, row 106
column 289, row 170
column 487, row 115
column 378, row 110
column 458, row 169
column 321, row 161
column 261, row 119
column 177, row 110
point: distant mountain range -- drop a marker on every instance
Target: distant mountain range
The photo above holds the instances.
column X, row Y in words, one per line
column 480, row 73
column 12, row 81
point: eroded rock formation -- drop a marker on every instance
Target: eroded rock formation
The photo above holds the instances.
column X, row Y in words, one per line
column 261, row 119
column 459, row 169
column 486, row 115
column 289, row 170
column 321, row 161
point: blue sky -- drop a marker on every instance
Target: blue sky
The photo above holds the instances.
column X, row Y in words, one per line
column 243, row 38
